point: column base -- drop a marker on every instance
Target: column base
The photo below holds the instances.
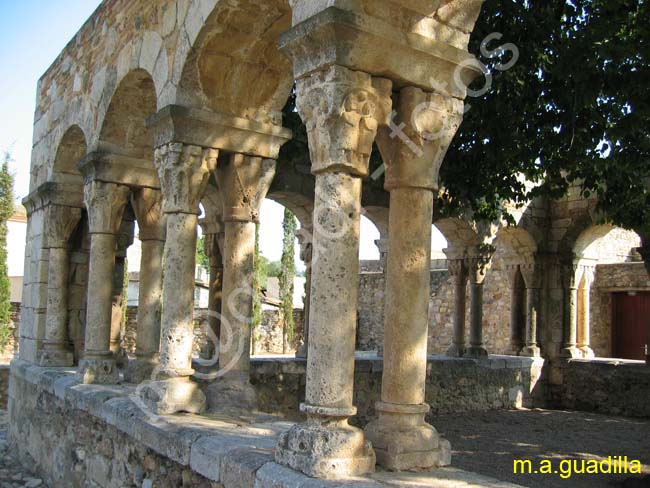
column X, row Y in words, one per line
column 326, row 446
column 231, row 391
column 403, row 441
column 173, row 395
column 455, row 351
column 140, row 369
column 476, row 352
column 99, row 369
column 571, row 352
column 53, row 358
column 587, row 352
column 530, row 351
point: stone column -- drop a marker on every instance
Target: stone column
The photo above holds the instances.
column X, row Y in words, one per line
column 584, row 343
column 105, row 203
column 571, row 276
column 341, row 109
column 401, row 437
column 382, row 246
column 516, row 336
column 305, row 241
column 124, row 239
column 147, row 205
column 458, row 272
column 184, row 172
column 60, row 223
column 243, row 182
column 478, row 267
column 532, row 279
column 214, row 241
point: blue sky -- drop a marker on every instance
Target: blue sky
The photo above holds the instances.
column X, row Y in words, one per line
column 32, row 34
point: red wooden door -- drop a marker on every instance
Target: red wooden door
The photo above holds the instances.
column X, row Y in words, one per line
column 631, row 324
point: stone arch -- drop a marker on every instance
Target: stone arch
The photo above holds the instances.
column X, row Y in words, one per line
column 301, row 206
column 234, row 64
column 459, row 233
column 71, row 149
column 124, row 128
column 518, row 243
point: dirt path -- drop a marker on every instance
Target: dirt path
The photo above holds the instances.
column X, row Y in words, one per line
column 488, row 442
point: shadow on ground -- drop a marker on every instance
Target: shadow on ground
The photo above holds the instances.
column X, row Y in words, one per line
column 488, row 443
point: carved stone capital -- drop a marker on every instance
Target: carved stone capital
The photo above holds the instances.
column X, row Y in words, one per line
column 532, row 275
column 147, row 205
column 184, row 173
column 342, row 110
column 60, row 222
column 571, row 275
column 305, row 241
column 478, row 264
column 105, row 203
column 213, row 244
column 244, row 182
column 416, row 142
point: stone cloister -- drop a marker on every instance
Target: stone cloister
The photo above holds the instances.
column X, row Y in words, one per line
column 168, row 115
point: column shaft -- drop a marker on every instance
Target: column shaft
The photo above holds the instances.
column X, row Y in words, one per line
column 237, row 304
column 476, row 348
column 334, row 293
column 99, row 363
column 178, row 296
column 149, row 299
column 532, row 312
column 459, row 276
column 407, row 296
column 56, row 347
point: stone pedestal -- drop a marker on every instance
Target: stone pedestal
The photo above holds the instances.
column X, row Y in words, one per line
column 105, row 203
column 184, row 173
column 61, row 222
column 458, row 272
column 341, row 109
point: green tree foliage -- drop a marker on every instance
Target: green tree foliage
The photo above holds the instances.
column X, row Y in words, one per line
column 201, row 257
column 573, row 108
column 288, row 273
column 6, row 211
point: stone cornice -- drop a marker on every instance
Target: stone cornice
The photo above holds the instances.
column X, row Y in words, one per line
column 120, row 169
column 50, row 193
column 221, row 131
column 364, row 43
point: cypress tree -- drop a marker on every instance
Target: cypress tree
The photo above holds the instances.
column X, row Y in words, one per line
column 6, row 211
column 287, row 274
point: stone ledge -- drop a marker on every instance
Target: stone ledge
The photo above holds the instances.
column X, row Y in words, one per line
column 238, row 453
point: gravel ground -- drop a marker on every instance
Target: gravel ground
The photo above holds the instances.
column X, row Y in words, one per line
column 12, row 474
column 488, row 442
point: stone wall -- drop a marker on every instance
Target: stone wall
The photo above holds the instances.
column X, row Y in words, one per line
column 268, row 336
column 453, row 385
column 102, row 439
column 605, row 386
column 496, row 310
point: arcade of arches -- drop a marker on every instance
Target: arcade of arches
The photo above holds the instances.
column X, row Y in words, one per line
column 159, row 108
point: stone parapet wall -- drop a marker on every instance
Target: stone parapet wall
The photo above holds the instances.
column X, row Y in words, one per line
column 101, row 439
column 453, row 385
column 609, row 387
